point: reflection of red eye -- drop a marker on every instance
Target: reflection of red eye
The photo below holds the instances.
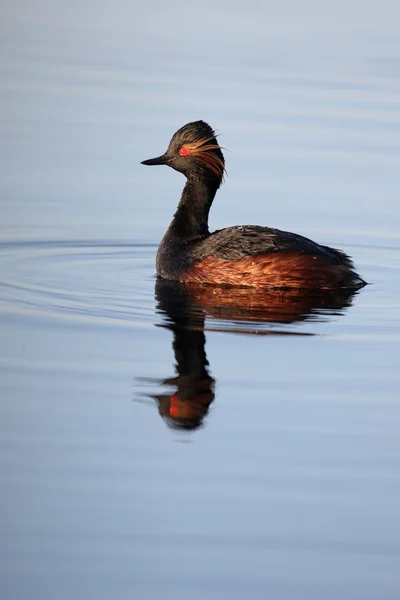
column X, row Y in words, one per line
column 184, row 151
column 174, row 406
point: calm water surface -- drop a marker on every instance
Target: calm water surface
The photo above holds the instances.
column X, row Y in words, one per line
column 163, row 442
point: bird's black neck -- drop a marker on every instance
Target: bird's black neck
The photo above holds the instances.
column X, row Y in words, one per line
column 191, row 218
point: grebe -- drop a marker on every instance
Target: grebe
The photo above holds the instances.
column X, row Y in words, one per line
column 245, row 255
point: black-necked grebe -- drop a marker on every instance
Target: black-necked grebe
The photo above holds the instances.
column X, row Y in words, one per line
column 246, row 255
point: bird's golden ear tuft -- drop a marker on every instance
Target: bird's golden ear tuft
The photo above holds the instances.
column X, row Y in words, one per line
column 203, row 150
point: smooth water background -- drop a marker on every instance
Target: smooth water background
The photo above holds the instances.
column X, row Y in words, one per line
column 291, row 486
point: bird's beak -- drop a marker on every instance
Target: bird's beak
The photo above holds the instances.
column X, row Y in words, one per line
column 160, row 160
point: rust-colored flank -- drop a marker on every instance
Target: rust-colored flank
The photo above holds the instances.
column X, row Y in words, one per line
column 282, row 269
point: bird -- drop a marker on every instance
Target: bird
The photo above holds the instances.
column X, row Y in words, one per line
column 242, row 255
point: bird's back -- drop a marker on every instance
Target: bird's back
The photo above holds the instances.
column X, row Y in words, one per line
column 243, row 241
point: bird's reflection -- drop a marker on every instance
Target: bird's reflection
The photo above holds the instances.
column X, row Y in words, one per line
column 193, row 387
column 184, row 309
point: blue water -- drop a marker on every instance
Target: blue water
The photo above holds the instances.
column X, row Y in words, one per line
column 156, row 444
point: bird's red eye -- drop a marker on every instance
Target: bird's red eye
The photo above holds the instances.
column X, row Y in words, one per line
column 184, row 151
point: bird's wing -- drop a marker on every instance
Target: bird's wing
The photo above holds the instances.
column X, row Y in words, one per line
column 241, row 241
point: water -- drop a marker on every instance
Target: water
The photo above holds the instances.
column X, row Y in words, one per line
column 162, row 443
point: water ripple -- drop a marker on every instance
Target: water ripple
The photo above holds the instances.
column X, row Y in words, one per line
column 113, row 282
column 75, row 279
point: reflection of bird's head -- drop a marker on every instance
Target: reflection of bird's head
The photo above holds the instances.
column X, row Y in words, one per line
column 186, row 413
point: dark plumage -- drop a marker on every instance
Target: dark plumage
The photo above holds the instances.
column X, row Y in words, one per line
column 247, row 255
